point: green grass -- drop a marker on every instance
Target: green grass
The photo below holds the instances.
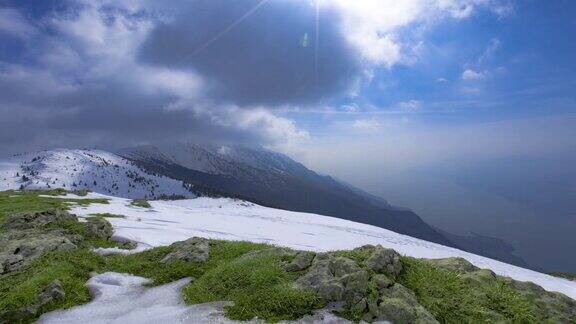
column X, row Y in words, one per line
column 12, row 201
column 140, row 203
column 451, row 299
column 269, row 294
column 258, row 286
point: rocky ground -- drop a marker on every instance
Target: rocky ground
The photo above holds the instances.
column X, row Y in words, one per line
column 46, row 258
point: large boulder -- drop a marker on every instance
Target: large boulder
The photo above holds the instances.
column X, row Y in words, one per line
column 335, row 278
column 16, row 252
column 397, row 304
column 195, row 249
column 385, row 261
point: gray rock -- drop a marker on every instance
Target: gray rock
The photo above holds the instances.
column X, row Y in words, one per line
column 454, row 264
column 396, row 304
column 23, row 221
column 381, row 281
column 97, row 227
column 53, row 291
column 341, row 266
column 301, row 261
column 386, row 261
column 396, row 311
column 334, row 278
column 355, row 285
column 195, row 249
column 16, row 252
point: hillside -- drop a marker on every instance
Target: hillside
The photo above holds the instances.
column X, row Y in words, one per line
column 119, row 262
column 275, row 180
column 96, row 170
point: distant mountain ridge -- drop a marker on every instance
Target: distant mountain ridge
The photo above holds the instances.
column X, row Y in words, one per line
column 275, row 180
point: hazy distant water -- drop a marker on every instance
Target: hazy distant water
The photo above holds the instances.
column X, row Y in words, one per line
column 527, row 202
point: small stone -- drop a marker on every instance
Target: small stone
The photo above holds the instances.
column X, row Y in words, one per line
column 386, row 261
column 53, row 291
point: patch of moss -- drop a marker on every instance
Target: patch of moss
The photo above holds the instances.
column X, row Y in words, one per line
column 140, row 203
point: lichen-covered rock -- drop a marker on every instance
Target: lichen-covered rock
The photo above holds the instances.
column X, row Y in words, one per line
column 454, row 264
column 381, row 281
column 195, row 249
column 97, row 227
column 301, row 261
column 355, row 285
column 23, row 221
column 53, row 291
column 399, row 305
column 335, row 278
column 386, row 261
column 15, row 253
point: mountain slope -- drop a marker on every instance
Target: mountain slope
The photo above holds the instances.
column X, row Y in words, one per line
column 229, row 219
column 275, row 180
column 96, row 170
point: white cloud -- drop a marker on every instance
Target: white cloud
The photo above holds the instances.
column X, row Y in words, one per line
column 410, row 105
column 372, row 26
column 366, row 125
column 471, row 75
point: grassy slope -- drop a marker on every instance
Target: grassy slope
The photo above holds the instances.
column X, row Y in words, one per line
column 258, row 286
column 12, row 201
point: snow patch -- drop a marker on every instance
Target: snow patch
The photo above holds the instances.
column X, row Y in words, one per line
column 122, row 298
column 228, row 219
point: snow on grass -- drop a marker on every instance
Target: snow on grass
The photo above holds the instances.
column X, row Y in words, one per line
column 122, row 298
column 170, row 221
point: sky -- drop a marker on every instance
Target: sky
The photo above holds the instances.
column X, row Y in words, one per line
column 451, row 99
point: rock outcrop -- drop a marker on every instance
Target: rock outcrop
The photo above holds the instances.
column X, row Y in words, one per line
column 365, row 289
column 195, row 249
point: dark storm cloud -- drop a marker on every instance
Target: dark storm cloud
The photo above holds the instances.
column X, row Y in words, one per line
column 91, row 74
column 263, row 59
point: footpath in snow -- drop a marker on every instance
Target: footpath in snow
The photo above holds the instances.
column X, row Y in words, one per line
column 227, row 219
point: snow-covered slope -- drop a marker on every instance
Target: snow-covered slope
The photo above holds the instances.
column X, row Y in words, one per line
column 96, row 170
column 170, row 221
